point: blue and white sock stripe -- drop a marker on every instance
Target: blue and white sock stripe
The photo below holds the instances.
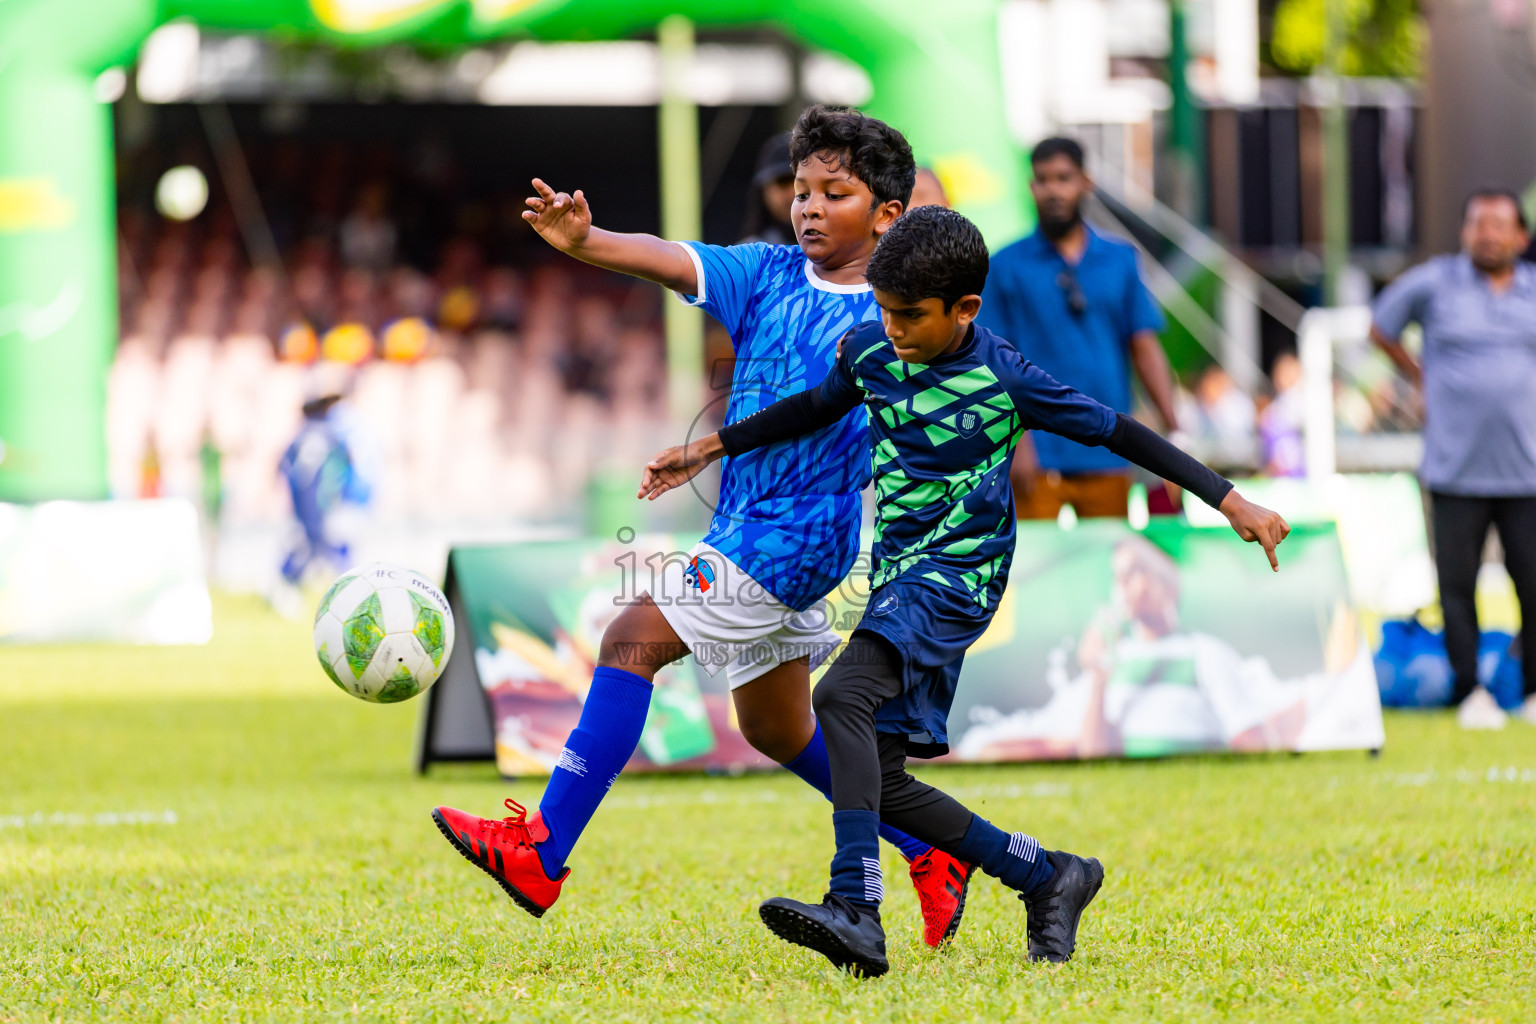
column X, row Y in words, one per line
column 874, row 885
column 572, row 761
column 1024, row 847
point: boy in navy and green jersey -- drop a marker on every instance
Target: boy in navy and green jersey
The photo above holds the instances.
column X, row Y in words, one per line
column 947, row 403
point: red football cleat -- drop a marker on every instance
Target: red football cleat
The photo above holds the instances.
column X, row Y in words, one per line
column 504, row 849
column 941, row 882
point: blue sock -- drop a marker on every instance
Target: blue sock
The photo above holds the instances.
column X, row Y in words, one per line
column 811, row 764
column 856, row 864
column 1014, row 859
column 594, row 754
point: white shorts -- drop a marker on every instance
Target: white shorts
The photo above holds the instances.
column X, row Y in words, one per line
column 732, row 622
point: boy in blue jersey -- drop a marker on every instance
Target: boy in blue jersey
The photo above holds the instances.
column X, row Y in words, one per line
column 947, row 402
column 786, row 530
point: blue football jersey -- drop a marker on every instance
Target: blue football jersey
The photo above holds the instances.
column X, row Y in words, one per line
column 788, row 513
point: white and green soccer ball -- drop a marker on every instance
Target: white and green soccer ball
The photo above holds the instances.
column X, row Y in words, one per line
column 383, row 633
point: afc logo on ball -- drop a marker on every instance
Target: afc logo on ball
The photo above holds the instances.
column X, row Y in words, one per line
column 699, row 575
column 967, row 422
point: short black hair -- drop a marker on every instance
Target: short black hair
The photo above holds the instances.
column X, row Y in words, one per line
column 876, row 154
column 931, row 252
column 1497, row 193
column 1057, row 145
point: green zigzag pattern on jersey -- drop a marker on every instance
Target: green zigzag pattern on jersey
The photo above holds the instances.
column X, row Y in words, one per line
column 976, row 580
column 999, row 418
column 957, row 516
column 860, row 357
column 898, row 493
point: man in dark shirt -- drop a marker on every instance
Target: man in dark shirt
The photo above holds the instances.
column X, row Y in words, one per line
column 1072, row 301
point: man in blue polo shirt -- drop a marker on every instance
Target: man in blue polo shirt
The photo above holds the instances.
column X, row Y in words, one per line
column 1072, row 301
column 1478, row 373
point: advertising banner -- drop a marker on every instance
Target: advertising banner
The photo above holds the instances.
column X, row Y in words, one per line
column 1109, row 642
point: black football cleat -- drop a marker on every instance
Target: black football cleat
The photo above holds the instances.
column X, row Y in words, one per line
column 846, row 935
column 1053, row 914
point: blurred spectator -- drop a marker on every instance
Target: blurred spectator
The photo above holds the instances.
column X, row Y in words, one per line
column 1224, row 407
column 1478, row 314
column 324, row 468
column 772, row 194
column 1222, row 416
column 928, row 190
column 503, row 308
column 368, row 235
column 410, row 293
column 1071, row 299
column 313, row 294
column 1281, row 421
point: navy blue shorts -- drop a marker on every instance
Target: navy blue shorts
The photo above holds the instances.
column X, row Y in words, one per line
column 931, row 626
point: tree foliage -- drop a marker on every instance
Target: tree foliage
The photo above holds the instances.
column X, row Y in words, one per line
column 1383, row 38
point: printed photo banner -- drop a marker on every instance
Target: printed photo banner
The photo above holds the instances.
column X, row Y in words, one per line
column 1109, row 642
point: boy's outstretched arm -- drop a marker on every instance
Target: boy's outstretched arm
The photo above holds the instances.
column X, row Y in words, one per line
column 565, row 222
column 1050, row 405
column 1149, row 450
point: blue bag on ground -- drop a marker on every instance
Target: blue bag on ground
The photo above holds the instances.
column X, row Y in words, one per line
column 1498, row 668
column 1413, row 671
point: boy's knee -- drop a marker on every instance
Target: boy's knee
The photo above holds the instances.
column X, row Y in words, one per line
column 776, row 738
column 636, row 641
column 619, row 650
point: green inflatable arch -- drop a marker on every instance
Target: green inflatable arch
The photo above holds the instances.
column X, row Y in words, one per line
column 934, row 69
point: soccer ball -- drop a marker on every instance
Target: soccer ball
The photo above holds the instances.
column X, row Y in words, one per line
column 383, row 633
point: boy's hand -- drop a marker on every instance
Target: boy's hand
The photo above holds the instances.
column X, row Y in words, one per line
column 677, row 465
column 1255, row 523
column 562, row 220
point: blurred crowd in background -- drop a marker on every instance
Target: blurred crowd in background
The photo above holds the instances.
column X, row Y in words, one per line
column 490, row 378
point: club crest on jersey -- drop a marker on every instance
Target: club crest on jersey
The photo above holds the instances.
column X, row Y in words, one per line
column 698, row 575
column 967, row 423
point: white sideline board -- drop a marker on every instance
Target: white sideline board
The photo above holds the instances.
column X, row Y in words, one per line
column 103, row 571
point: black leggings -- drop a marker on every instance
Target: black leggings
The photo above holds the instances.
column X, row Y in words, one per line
column 869, row 769
column 1461, row 526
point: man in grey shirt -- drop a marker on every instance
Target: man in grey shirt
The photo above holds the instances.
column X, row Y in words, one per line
column 1478, row 314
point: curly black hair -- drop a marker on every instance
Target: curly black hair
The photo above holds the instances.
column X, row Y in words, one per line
column 876, row 154
column 930, row 253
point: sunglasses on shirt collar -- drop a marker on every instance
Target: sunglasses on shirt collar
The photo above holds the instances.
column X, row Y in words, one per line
column 1077, row 302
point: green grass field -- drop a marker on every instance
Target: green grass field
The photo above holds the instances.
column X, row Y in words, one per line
column 302, row 880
